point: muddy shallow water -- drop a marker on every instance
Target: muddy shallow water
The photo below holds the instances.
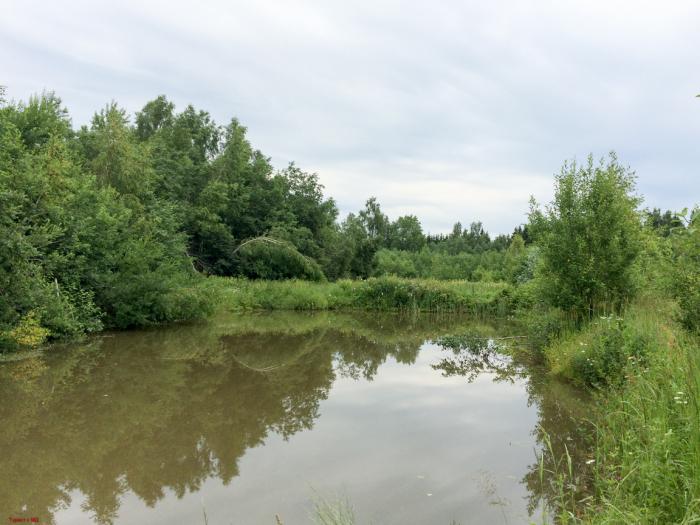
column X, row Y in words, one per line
column 249, row 417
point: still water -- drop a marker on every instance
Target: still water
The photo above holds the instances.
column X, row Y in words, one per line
column 252, row 418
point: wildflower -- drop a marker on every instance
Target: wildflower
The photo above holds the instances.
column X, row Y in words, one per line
column 590, row 461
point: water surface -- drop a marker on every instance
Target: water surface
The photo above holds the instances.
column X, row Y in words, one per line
column 251, row 417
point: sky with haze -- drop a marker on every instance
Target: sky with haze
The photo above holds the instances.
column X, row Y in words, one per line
column 451, row 110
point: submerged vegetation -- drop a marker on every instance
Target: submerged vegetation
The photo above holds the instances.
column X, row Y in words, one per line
column 172, row 216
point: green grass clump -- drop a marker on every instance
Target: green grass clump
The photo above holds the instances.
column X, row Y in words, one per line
column 648, row 450
column 545, row 326
column 337, row 511
column 646, row 370
column 383, row 293
column 606, row 350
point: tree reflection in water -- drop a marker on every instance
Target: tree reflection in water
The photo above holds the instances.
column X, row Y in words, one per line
column 563, row 432
column 473, row 355
column 165, row 410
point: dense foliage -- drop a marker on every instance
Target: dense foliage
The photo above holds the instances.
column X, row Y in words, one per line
column 589, row 236
column 82, row 244
column 685, row 270
column 115, row 223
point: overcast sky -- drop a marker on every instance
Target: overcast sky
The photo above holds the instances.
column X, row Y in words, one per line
column 452, row 110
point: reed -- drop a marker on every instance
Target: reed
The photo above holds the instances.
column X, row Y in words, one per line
column 377, row 294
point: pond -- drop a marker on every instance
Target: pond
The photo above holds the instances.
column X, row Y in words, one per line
column 252, row 419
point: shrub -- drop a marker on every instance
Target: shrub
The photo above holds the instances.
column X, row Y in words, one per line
column 428, row 263
column 526, row 296
column 544, row 326
column 589, row 237
column 395, row 262
column 28, row 331
column 606, row 350
column 686, row 271
column 69, row 313
column 276, row 259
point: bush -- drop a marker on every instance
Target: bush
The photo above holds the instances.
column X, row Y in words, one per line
column 545, row 325
column 67, row 313
column 395, row 262
column 526, row 297
column 391, row 293
column 589, row 237
column 273, row 259
column 604, row 351
column 686, row 271
column 28, row 332
column 428, row 263
column 603, row 361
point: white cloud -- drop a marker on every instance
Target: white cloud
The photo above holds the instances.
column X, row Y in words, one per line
column 454, row 111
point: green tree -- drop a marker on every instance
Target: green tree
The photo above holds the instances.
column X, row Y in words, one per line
column 308, row 220
column 406, row 233
column 662, row 223
column 114, row 155
column 515, row 259
column 589, row 236
column 477, row 238
column 39, row 119
column 156, row 115
column 375, row 223
column 361, row 248
column 367, row 232
column 84, row 240
column 685, row 268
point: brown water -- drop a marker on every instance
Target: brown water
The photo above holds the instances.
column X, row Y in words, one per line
column 249, row 417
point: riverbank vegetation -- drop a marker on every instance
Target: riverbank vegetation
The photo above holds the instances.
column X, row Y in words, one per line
column 170, row 216
column 375, row 293
column 643, row 465
column 624, row 325
column 116, row 224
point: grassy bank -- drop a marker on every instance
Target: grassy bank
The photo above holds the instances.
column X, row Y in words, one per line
column 645, row 463
column 383, row 294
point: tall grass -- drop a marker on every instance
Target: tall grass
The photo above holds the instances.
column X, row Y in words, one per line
column 335, row 511
column 646, row 371
column 383, row 293
column 648, row 453
column 557, row 477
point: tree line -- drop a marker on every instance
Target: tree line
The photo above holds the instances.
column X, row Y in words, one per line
column 114, row 224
